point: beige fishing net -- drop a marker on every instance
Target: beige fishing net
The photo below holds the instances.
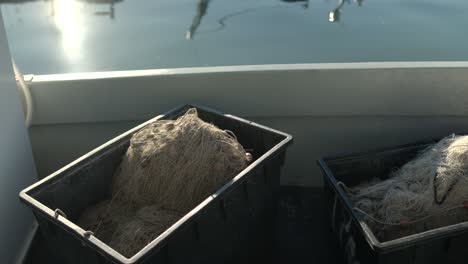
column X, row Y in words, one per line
column 428, row 192
column 104, row 218
column 169, row 168
column 147, row 224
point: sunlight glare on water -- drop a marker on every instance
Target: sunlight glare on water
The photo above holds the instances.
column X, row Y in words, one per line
column 68, row 20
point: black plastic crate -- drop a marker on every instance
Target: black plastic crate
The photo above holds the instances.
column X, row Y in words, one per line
column 448, row 245
column 234, row 224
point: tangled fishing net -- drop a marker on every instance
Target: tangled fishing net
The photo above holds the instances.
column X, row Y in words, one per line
column 168, row 169
column 147, row 224
column 431, row 191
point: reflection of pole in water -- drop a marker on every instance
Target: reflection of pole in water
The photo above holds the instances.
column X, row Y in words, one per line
column 334, row 15
column 202, row 6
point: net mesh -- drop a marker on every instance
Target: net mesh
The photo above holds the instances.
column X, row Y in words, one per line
column 168, row 169
column 426, row 193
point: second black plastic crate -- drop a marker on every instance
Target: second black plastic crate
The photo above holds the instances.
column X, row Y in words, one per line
column 447, row 245
column 233, row 225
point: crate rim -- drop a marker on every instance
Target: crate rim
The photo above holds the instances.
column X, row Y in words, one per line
column 395, row 244
column 158, row 242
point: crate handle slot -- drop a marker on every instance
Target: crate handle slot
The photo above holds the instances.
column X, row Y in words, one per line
column 58, row 212
column 87, row 234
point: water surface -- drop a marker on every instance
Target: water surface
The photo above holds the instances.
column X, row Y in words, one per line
column 61, row 36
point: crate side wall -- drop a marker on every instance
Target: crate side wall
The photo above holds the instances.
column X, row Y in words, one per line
column 84, row 186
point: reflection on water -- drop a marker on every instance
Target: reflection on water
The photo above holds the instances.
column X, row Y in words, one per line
column 69, row 22
column 67, row 16
column 202, row 6
column 110, row 12
column 68, row 19
column 57, row 36
column 305, row 3
column 335, row 14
